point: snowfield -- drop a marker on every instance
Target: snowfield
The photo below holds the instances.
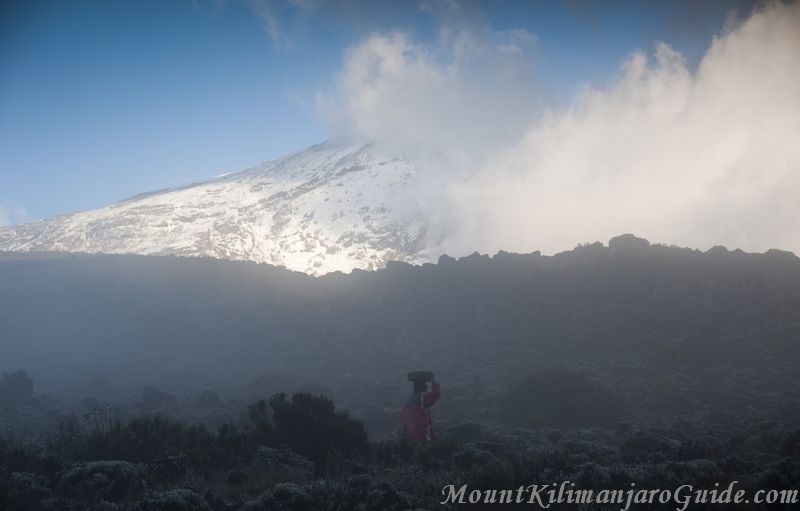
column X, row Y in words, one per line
column 331, row 207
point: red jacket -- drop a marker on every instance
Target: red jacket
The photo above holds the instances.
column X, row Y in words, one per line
column 415, row 421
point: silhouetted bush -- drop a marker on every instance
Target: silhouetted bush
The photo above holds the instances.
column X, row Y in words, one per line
column 144, row 439
column 311, row 426
column 15, row 458
column 628, row 243
column 260, row 415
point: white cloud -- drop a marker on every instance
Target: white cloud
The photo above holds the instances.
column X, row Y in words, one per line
column 11, row 215
column 275, row 14
column 472, row 90
column 699, row 159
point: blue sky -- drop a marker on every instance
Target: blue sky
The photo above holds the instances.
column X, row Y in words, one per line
column 100, row 100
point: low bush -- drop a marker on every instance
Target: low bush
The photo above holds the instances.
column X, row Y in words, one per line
column 312, row 427
column 173, row 500
column 145, row 439
column 98, row 481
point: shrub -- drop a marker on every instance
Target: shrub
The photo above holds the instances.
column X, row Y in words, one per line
column 579, row 451
column 5, row 498
column 112, row 481
column 282, row 459
column 15, row 458
column 145, row 439
column 699, row 472
column 393, row 453
column 481, row 468
column 169, row 468
column 791, row 444
column 174, row 500
column 704, row 447
column 282, row 497
column 236, row 477
column 464, row 432
column 311, row 426
column 434, row 455
column 260, row 415
column 25, row 490
column 366, row 493
column 593, row 476
column 782, row 474
column 647, row 446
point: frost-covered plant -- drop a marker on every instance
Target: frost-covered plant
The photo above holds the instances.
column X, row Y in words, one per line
column 282, row 497
column 113, row 481
column 173, row 500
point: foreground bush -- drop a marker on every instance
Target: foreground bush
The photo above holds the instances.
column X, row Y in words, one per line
column 99, row 481
column 173, row 500
column 310, row 425
column 142, row 439
column 266, row 463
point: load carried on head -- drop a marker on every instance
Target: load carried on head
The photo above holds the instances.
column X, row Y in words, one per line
column 416, row 424
column 420, row 376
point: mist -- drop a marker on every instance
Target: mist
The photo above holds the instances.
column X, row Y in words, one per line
column 381, row 365
column 699, row 155
column 10, row 215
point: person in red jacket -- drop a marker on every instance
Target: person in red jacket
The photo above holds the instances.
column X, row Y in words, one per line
column 415, row 420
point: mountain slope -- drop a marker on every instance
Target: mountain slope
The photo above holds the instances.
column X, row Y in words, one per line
column 331, row 207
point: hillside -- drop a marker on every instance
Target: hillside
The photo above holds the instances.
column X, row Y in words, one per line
column 631, row 313
column 331, row 207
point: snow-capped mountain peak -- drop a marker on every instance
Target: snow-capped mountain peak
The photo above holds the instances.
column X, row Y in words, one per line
column 332, row 207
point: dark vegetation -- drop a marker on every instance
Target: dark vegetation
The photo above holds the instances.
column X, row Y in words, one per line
column 166, row 383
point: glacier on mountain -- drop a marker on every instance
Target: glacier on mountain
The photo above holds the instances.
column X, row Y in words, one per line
column 332, row 207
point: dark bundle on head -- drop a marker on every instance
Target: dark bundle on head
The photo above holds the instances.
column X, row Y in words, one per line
column 420, row 380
